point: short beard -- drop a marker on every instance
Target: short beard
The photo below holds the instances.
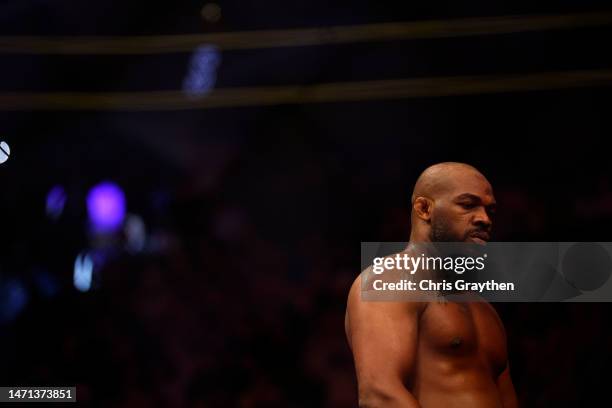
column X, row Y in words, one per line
column 440, row 231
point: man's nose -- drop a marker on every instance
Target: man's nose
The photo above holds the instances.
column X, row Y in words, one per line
column 482, row 218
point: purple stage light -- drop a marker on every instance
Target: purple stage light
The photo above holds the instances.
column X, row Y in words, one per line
column 106, row 207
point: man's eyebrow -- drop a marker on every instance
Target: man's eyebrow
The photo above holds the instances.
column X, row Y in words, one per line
column 474, row 197
column 468, row 196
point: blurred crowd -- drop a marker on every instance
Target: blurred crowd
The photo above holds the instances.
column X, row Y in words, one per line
column 218, row 317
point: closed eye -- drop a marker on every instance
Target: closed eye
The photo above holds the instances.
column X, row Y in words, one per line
column 468, row 206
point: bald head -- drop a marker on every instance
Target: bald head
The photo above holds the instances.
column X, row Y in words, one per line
column 450, row 201
column 442, row 178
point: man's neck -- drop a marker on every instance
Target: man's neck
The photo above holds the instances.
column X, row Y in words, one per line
column 417, row 236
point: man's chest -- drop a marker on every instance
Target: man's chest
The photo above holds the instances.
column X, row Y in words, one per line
column 464, row 330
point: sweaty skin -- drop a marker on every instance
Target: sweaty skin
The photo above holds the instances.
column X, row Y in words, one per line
column 434, row 354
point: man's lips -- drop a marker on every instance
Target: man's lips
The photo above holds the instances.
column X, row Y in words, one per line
column 478, row 240
column 482, row 237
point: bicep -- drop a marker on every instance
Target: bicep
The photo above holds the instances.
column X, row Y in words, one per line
column 383, row 337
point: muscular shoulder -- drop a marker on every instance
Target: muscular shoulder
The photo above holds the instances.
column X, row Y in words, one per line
column 360, row 311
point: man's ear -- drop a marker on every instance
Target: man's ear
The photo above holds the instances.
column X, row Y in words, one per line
column 423, row 207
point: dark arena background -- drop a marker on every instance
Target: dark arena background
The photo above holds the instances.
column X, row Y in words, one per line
column 188, row 185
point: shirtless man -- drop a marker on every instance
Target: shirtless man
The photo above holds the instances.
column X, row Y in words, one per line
column 434, row 354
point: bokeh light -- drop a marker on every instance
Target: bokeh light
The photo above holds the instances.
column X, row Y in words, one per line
column 56, row 200
column 106, row 207
column 83, row 272
column 202, row 75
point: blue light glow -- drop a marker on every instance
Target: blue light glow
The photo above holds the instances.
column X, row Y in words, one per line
column 202, row 74
column 83, row 272
column 13, row 298
column 56, row 199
